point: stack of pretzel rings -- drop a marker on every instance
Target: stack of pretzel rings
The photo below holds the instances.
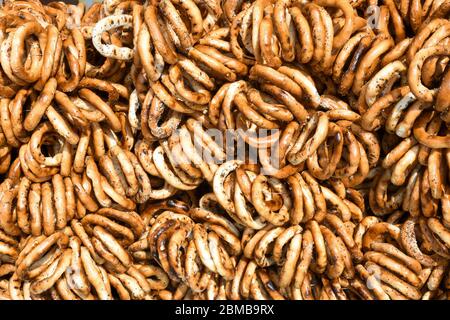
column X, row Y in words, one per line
column 107, row 113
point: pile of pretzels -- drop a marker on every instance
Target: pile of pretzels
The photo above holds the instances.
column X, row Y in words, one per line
column 107, row 112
